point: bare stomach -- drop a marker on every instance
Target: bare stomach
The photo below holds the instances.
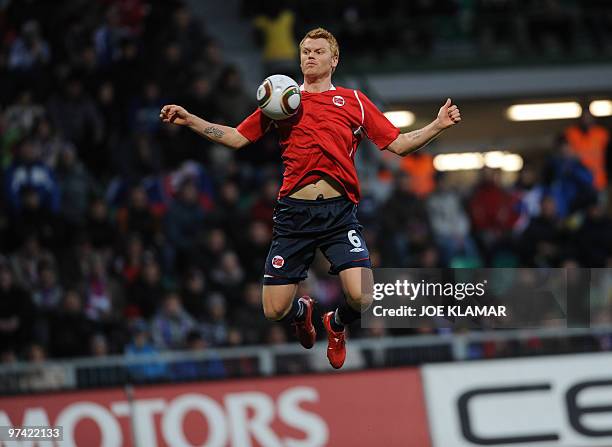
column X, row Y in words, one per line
column 324, row 188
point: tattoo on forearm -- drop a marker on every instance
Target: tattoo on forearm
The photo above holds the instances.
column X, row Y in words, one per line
column 415, row 134
column 214, row 132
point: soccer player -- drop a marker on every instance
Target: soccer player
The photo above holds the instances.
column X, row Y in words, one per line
column 318, row 199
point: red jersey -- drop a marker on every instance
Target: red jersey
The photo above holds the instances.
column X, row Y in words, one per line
column 323, row 137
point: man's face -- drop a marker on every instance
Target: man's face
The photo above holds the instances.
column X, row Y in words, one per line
column 316, row 58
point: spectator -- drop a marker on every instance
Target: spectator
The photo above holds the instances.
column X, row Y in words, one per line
column 26, row 260
column 145, row 110
column 171, row 74
column 231, row 101
column 172, row 323
column 263, row 208
column 215, row 328
column 148, row 158
column 230, row 213
column 86, row 64
column 227, row 275
column 27, row 170
column 130, row 263
column 407, row 221
column 127, row 72
column 590, row 142
column 493, row 212
column 33, row 219
column 102, row 303
column 211, row 62
column 194, row 293
column 114, row 121
column 200, row 100
column 287, row 363
column 76, row 116
column 98, row 345
column 184, row 222
column 75, row 186
column 187, row 32
column 449, row 221
column 568, row 180
column 98, row 226
column 43, row 376
column 71, row 330
column 593, row 241
column 198, row 369
column 140, row 345
column 145, row 294
column 16, row 310
column 48, row 295
column 541, row 243
column 597, row 17
column 498, row 24
column 279, row 48
column 48, row 143
column 108, row 37
column 248, row 315
column 21, row 116
column 29, row 51
column 550, row 26
column 137, row 217
column 530, row 191
column 419, row 167
column 254, row 248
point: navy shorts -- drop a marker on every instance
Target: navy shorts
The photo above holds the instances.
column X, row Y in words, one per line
column 302, row 226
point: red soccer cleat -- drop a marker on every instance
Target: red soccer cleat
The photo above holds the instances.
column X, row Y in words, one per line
column 304, row 330
column 336, row 349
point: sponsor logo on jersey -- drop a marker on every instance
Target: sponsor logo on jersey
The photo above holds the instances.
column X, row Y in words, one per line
column 357, row 250
column 338, row 100
column 278, row 262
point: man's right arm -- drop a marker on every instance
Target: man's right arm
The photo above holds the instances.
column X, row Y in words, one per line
column 217, row 133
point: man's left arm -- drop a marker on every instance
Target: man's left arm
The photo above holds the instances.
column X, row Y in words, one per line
column 409, row 142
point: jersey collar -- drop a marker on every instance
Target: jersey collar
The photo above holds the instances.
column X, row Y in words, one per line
column 331, row 88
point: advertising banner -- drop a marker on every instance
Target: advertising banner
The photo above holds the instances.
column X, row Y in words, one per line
column 351, row 409
column 562, row 401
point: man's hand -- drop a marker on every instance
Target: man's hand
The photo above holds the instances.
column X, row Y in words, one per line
column 406, row 143
column 449, row 115
column 175, row 114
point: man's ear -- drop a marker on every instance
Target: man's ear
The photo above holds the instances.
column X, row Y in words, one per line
column 334, row 63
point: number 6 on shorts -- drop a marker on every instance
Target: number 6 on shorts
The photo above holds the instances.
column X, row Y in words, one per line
column 354, row 239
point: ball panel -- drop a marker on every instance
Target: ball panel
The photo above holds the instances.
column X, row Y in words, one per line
column 278, row 97
column 264, row 93
column 286, row 103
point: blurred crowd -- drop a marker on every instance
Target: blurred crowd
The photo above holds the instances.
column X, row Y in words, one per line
column 449, row 30
column 119, row 234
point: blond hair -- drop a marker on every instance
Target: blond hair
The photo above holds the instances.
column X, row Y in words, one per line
column 321, row 33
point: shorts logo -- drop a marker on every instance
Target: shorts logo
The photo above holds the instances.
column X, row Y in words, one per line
column 338, row 101
column 357, row 250
column 278, row 262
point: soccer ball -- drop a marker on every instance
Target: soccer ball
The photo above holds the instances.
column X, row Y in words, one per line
column 279, row 97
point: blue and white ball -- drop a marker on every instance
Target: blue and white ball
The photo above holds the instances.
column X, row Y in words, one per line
column 279, row 97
